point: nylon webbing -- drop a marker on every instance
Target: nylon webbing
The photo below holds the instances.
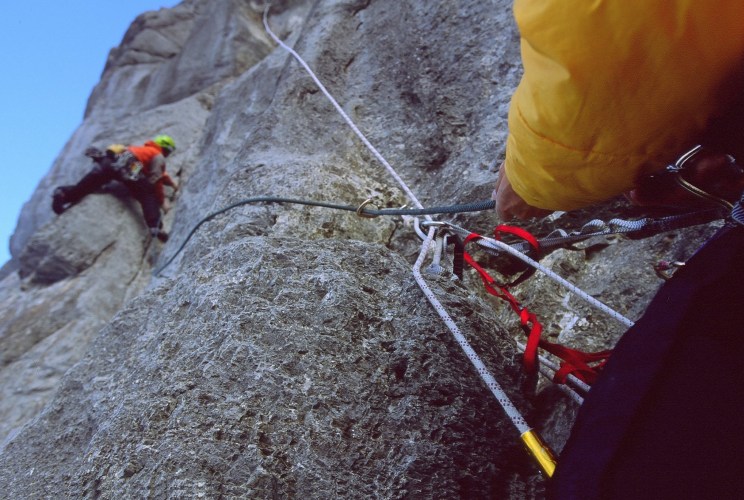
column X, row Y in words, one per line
column 499, row 246
column 573, row 361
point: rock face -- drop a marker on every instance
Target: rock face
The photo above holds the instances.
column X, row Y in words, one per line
column 239, row 380
column 287, row 351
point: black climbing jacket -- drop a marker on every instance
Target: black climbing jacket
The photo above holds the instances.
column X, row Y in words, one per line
column 664, row 421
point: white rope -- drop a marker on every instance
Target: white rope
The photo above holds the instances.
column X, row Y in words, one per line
column 498, row 392
column 572, row 379
column 340, row 110
column 512, row 412
column 546, row 372
column 500, row 245
column 495, row 244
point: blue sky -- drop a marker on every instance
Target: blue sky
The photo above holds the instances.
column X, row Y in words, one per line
column 52, row 54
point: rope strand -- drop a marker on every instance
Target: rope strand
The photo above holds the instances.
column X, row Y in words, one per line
column 498, row 392
column 340, row 110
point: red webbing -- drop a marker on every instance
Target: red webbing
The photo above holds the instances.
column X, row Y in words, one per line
column 573, row 361
column 518, row 232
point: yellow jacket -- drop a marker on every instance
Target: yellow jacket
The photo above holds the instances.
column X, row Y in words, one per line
column 615, row 89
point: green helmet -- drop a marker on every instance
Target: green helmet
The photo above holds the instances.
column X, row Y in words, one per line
column 165, row 142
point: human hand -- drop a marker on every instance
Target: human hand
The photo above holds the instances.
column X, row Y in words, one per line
column 509, row 204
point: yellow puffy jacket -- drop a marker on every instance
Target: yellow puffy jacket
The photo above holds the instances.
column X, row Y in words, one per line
column 615, row 89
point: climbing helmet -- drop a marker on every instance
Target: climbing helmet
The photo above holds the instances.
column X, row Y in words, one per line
column 165, row 142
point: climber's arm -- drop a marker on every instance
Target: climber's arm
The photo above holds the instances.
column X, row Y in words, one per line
column 611, row 91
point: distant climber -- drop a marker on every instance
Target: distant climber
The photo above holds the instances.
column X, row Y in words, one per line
column 140, row 168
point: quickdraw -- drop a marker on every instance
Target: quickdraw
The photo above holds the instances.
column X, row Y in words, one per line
column 585, row 366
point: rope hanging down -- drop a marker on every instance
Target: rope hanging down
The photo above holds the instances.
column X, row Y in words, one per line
column 340, row 110
column 534, row 444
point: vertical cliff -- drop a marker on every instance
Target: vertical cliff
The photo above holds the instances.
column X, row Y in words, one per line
column 287, row 351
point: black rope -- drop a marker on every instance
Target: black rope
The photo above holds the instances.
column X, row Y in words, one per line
column 451, row 209
column 647, row 227
column 364, row 211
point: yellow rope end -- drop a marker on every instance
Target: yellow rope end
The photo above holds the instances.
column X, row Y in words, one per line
column 540, row 451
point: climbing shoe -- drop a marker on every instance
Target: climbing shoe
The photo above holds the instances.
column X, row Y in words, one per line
column 59, row 201
column 94, row 153
column 159, row 234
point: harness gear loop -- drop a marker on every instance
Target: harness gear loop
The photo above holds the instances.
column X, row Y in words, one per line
column 360, row 211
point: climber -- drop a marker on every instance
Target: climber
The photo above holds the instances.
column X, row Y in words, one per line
column 160, row 183
column 588, row 121
column 140, row 168
column 613, row 92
